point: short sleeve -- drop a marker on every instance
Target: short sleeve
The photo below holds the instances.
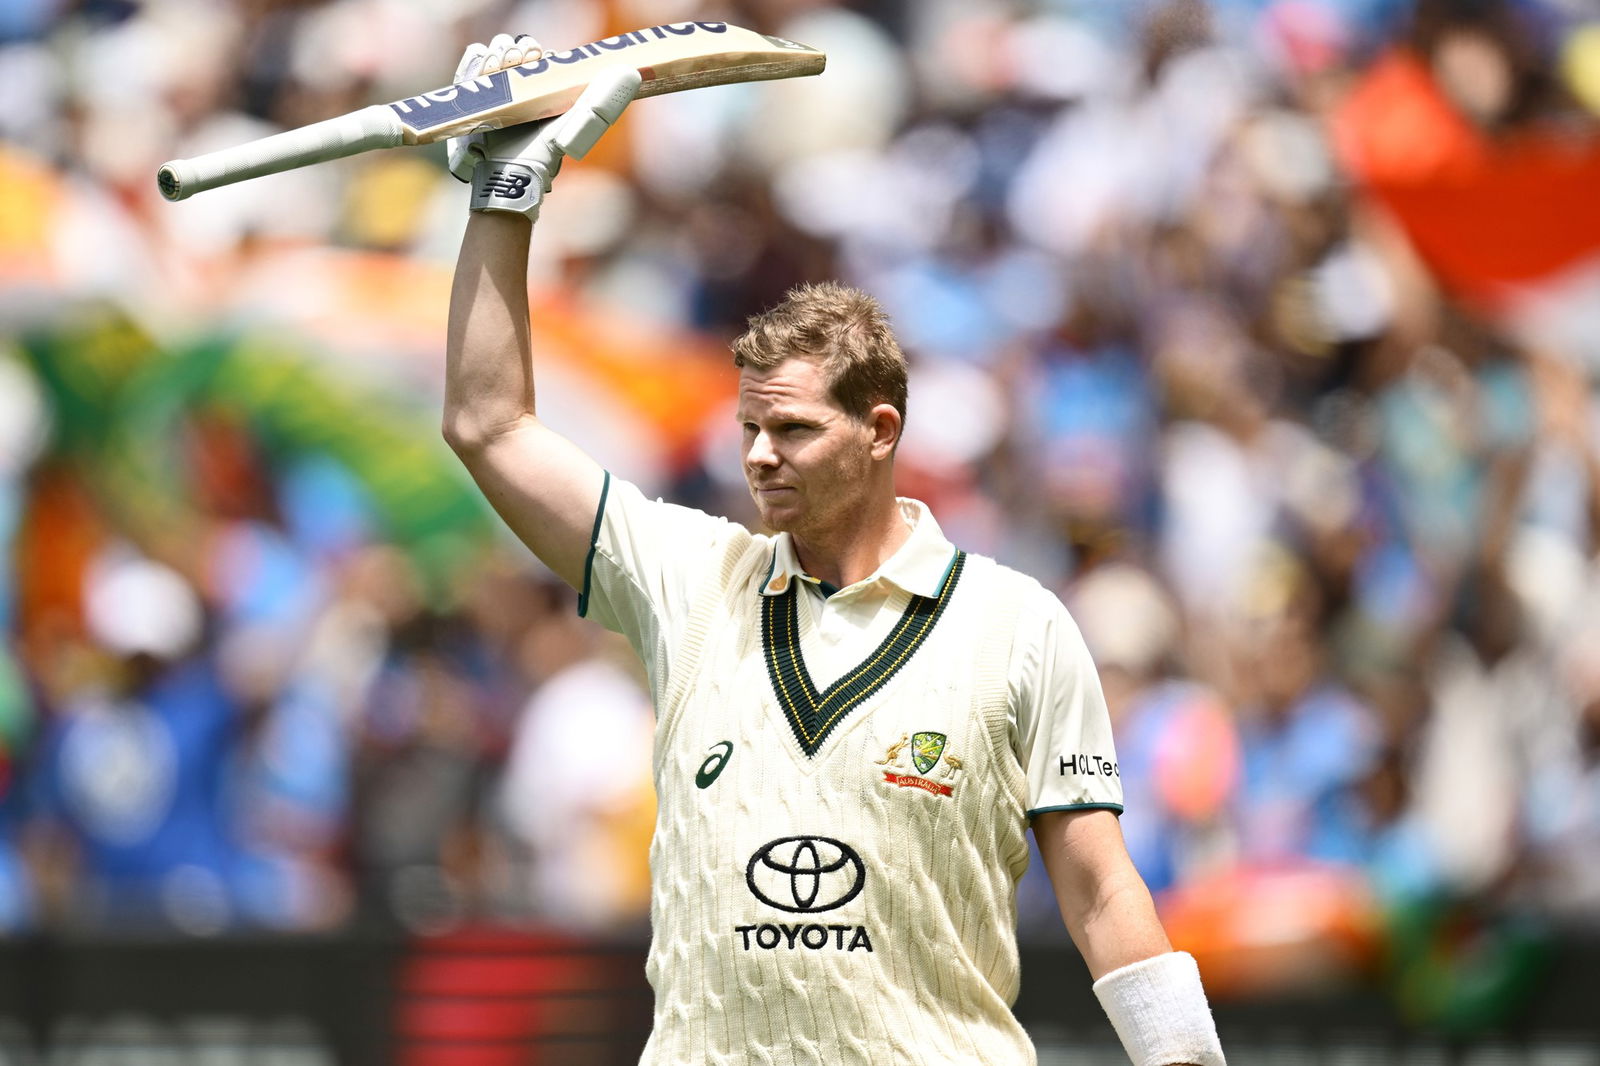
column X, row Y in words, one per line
column 1063, row 728
column 648, row 561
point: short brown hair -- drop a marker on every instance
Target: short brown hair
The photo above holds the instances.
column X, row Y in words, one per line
column 845, row 331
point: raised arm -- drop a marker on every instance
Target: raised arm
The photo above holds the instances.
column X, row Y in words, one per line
column 543, row 485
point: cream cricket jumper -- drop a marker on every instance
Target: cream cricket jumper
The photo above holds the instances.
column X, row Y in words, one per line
column 844, row 783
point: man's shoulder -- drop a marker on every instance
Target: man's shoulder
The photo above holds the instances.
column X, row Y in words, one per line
column 690, row 548
column 667, row 522
column 988, row 572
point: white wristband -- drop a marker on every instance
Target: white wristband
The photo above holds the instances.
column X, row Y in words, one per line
column 1160, row 1012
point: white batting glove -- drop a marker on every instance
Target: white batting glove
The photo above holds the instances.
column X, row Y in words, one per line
column 512, row 169
column 519, row 163
column 480, row 59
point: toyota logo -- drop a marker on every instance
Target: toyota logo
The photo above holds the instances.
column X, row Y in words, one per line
column 804, row 875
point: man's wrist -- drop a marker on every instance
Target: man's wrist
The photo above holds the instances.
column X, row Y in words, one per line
column 1159, row 1011
column 508, row 186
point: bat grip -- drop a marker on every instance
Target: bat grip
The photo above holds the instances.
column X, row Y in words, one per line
column 359, row 131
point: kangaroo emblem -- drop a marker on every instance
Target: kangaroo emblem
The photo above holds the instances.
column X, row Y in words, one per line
column 892, row 756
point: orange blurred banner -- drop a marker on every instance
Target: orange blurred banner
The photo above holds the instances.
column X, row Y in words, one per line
column 1490, row 216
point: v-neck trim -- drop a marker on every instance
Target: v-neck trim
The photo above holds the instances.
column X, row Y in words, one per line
column 812, row 715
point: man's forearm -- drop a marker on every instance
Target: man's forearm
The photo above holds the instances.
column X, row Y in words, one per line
column 1151, row 993
column 1103, row 900
column 488, row 373
column 1119, row 926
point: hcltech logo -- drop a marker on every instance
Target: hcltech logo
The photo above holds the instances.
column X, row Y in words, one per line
column 1089, row 766
column 805, row 875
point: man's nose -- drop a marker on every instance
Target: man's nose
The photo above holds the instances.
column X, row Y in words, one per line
column 761, row 452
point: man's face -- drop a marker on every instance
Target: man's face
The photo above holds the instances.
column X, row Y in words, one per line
column 805, row 459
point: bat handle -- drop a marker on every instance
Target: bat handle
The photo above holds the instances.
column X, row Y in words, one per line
column 371, row 127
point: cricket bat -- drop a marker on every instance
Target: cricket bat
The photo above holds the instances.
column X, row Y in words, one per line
column 670, row 58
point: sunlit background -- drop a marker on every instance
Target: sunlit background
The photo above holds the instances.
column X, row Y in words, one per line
column 1267, row 333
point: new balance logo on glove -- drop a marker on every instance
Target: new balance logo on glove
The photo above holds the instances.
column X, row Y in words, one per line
column 508, row 184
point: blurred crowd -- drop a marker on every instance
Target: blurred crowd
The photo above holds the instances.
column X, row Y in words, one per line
column 1266, row 331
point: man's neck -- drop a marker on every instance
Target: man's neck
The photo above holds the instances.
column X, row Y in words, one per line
column 854, row 554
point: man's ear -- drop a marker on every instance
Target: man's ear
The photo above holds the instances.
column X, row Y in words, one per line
column 884, row 421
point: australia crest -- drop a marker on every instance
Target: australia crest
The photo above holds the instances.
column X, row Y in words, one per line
column 927, row 751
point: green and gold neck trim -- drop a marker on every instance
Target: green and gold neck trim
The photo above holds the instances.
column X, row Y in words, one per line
column 812, row 714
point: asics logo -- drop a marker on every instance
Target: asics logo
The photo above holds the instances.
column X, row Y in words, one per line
column 720, row 753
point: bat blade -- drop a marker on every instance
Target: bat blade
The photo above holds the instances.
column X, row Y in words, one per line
column 670, row 58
